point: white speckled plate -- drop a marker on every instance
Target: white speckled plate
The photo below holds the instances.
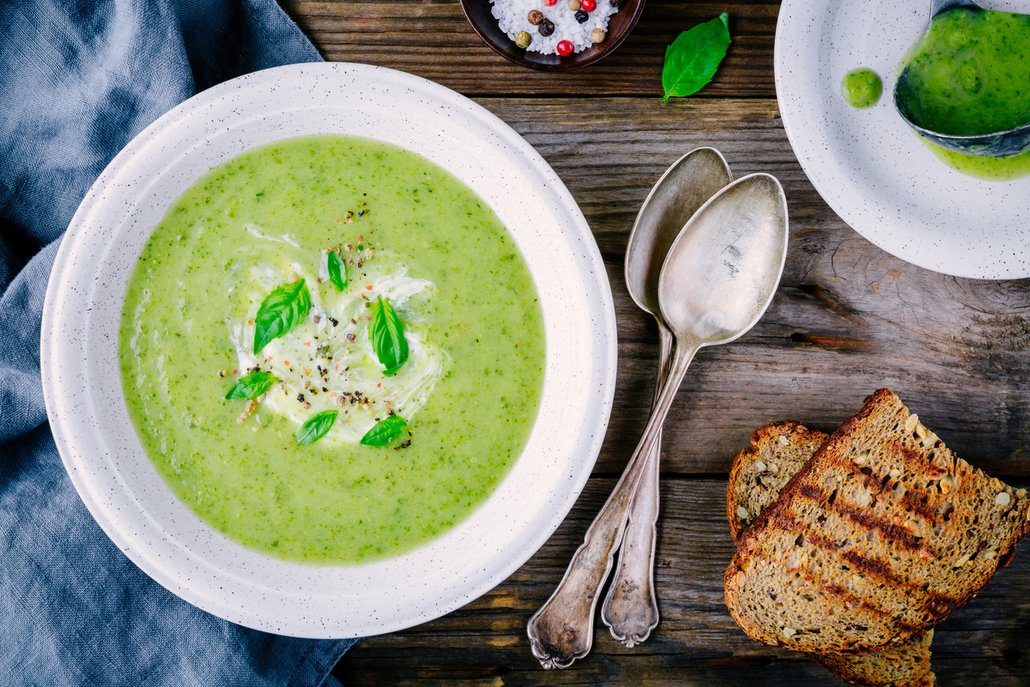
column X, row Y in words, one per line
column 868, row 165
column 99, row 445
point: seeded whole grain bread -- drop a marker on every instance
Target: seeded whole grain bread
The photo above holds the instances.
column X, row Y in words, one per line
column 880, row 536
column 904, row 665
column 776, row 453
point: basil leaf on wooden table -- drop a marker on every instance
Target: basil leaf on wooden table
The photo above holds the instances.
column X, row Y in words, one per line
column 693, row 58
column 316, row 427
column 386, row 332
column 250, row 386
column 281, row 311
column 385, row 432
column 337, row 270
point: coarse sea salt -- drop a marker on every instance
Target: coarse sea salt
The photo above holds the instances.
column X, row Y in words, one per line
column 513, row 16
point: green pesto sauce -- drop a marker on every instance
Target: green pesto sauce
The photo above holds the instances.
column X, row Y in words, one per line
column 984, row 166
column 861, row 87
column 331, row 502
column 970, row 73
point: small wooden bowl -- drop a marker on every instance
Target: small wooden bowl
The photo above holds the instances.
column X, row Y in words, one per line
column 619, row 27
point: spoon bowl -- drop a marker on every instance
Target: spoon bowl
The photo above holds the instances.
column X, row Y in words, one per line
column 723, row 269
column 995, row 144
column 630, row 609
column 686, row 185
column 734, row 246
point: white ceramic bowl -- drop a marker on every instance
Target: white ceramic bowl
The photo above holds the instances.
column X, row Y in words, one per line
column 99, row 445
column 868, row 165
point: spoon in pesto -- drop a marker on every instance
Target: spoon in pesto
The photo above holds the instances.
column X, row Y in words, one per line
column 631, row 610
column 718, row 279
column 924, row 88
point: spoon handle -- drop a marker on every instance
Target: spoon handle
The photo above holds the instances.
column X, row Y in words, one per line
column 631, row 610
column 562, row 630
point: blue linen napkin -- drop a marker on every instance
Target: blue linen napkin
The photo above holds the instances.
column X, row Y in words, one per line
column 78, row 79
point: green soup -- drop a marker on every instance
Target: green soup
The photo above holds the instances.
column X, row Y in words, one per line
column 970, row 74
column 983, row 166
column 406, row 231
column 861, row 87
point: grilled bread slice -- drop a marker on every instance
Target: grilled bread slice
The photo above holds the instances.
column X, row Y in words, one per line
column 776, row 453
column 904, row 665
column 879, row 537
column 759, row 472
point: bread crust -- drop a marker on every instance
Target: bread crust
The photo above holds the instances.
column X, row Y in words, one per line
column 920, row 608
column 880, row 668
column 795, row 431
column 790, row 445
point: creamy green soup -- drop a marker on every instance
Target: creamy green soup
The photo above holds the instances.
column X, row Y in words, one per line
column 357, row 228
column 861, row 87
column 983, row 166
column 970, row 73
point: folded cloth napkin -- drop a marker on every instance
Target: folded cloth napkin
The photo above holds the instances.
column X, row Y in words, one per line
column 79, row 79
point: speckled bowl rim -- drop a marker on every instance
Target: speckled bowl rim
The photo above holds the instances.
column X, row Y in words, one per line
column 885, row 197
column 326, row 608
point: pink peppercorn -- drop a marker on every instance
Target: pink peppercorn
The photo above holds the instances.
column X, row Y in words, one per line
column 588, row 5
column 550, row 3
column 564, row 48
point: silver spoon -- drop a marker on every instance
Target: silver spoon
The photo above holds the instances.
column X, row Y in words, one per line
column 630, row 610
column 718, row 279
column 997, row 144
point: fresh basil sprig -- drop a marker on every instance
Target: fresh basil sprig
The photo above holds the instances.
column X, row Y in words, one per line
column 385, row 432
column 316, row 427
column 281, row 311
column 251, row 385
column 386, row 332
column 692, row 59
column 337, row 270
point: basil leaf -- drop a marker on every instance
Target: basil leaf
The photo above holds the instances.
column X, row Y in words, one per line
column 692, row 59
column 250, row 386
column 385, row 432
column 281, row 311
column 316, row 427
column 337, row 270
column 386, row 332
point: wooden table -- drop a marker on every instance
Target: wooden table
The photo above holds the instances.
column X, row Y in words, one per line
column 847, row 319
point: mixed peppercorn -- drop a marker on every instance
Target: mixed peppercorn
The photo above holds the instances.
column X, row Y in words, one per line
column 546, row 27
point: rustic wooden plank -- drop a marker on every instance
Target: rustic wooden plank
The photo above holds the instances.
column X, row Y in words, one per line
column 848, row 318
column 433, row 39
column 697, row 642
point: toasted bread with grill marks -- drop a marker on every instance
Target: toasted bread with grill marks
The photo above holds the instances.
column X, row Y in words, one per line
column 905, row 665
column 880, row 536
column 776, row 453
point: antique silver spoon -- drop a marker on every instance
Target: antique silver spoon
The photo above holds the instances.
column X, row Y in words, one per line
column 718, row 279
column 630, row 610
column 997, row 144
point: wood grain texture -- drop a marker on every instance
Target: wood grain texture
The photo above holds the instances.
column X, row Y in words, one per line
column 847, row 319
column 433, row 39
column 697, row 642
